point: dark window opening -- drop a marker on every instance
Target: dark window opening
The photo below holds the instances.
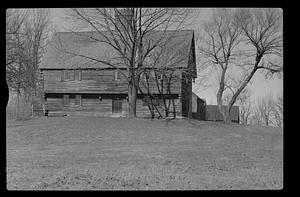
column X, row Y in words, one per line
column 116, row 106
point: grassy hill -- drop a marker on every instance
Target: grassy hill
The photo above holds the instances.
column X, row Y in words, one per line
column 113, row 153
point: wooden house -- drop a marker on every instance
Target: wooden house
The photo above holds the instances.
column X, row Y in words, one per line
column 77, row 85
column 198, row 107
column 212, row 113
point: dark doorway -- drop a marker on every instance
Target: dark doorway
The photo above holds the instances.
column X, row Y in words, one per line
column 116, row 106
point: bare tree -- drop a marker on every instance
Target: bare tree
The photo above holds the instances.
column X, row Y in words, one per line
column 15, row 46
column 36, row 32
column 244, row 101
column 127, row 32
column 222, row 35
column 255, row 118
column 25, row 39
column 265, row 106
column 278, row 111
column 250, row 40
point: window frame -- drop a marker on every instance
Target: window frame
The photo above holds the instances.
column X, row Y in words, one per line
column 157, row 102
column 77, row 75
column 71, row 74
column 78, row 97
column 66, row 100
column 116, row 75
column 62, row 75
column 67, row 74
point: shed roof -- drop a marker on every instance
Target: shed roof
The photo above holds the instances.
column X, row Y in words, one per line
column 84, row 43
column 212, row 113
column 195, row 97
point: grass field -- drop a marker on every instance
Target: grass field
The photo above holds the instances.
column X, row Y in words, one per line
column 102, row 153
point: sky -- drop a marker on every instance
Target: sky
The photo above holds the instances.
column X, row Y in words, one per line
column 259, row 87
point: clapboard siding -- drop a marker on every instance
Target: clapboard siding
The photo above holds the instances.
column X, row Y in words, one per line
column 175, row 84
column 99, row 81
column 95, row 106
column 143, row 111
column 102, row 83
column 54, row 104
column 92, row 81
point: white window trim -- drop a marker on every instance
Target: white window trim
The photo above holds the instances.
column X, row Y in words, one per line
column 117, row 75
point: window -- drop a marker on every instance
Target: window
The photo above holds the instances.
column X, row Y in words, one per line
column 146, row 100
column 153, row 74
column 71, row 75
column 78, row 100
column 62, row 75
column 116, row 106
column 159, row 76
column 68, row 75
column 78, row 75
column 117, row 77
column 66, row 100
column 145, row 76
column 157, row 102
column 156, row 74
column 145, row 103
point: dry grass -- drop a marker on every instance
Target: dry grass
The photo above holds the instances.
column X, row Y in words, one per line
column 97, row 153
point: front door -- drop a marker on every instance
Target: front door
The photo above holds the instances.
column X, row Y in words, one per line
column 116, row 106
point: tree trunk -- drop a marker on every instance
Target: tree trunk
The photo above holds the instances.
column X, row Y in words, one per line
column 132, row 96
column 18, row 104
column 18, row 91
column 174, row 108
column 224, row 112
column 220, row 94
column 227, row 118
column 240, row 89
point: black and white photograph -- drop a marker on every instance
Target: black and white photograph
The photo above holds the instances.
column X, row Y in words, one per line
column 144, row 98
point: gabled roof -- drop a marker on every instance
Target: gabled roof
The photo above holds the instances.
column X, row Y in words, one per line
column 178, row 44
column 195, row 97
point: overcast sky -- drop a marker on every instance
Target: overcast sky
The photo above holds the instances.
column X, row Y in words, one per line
column 260, row 86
